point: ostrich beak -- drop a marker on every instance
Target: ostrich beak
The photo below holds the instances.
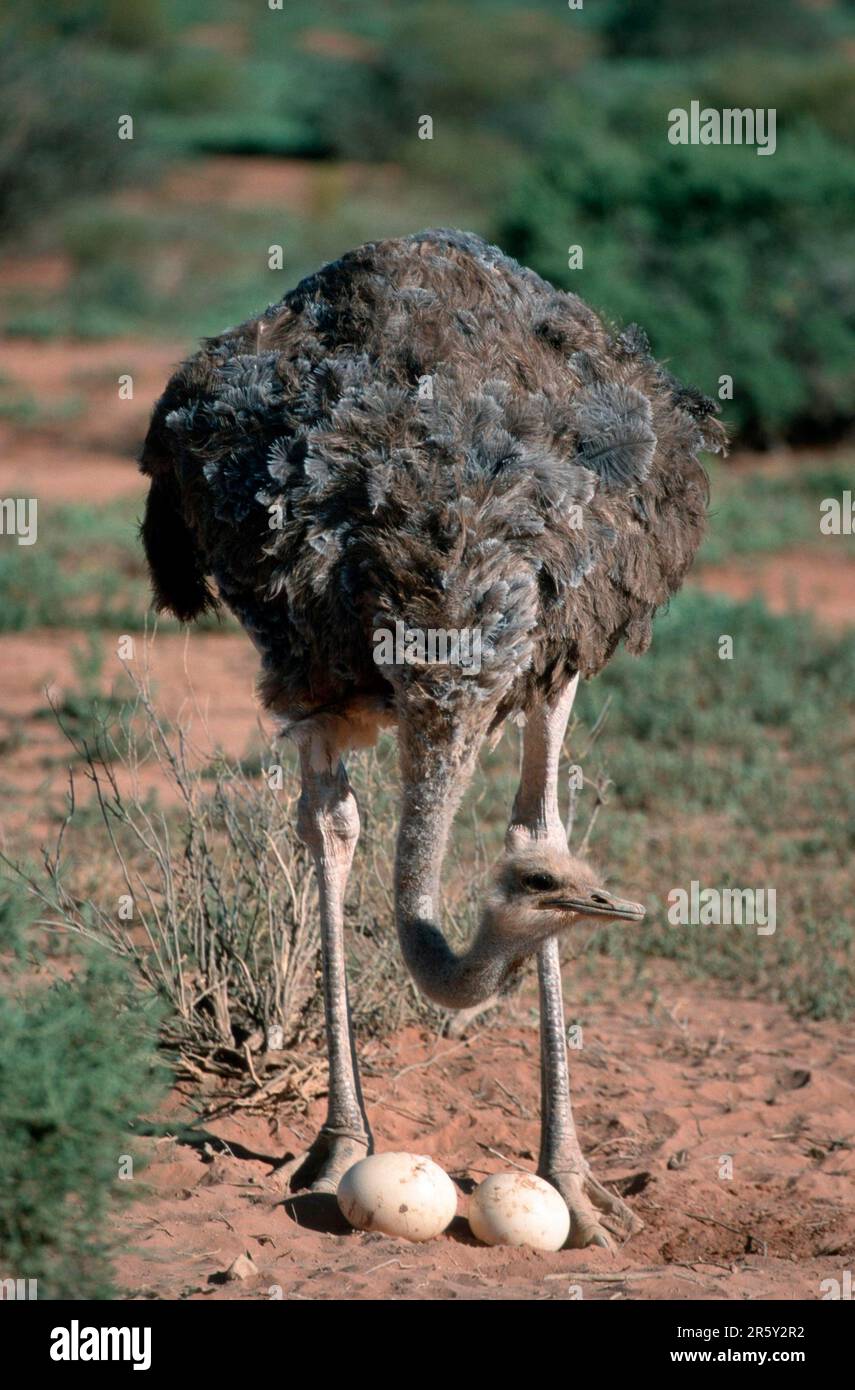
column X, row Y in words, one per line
column 598, row 903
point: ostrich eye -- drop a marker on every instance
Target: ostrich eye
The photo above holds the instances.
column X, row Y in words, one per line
column 539, row 883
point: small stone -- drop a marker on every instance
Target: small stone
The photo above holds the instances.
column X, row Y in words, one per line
column 241, row 1268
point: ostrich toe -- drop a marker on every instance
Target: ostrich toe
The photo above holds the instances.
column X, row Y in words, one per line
column 327, row 1161
column 597, row 1216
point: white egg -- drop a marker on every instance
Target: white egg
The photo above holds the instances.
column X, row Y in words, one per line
column 519, row 1209
column 404, row 1195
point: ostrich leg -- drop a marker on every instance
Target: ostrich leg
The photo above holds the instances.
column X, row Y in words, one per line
column 536, row 818
column 328, row 823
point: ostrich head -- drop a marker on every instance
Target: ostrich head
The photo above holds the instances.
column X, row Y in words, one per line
column 536, row 893
column 543, row 891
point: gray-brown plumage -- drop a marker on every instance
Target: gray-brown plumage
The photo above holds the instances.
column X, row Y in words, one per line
column 424, row 432
column 450, row 512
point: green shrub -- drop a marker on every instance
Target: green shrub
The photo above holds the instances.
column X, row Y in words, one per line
column 784, row 674
column 186, row 83
column 735, row 264
column 680, row 28
column 475, row 70
column 59, row 109
column 77, row 1070
column 123, row 23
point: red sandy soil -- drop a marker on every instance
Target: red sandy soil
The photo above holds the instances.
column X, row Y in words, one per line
column 59, row 372
column 662, row 1092
column 225, row 38
column 806, row 578
column 40, row 469
column 774, row 463
column 40, row 273
column 232, row 38
column 207, row 680
column 233, row 181
column 334, row 43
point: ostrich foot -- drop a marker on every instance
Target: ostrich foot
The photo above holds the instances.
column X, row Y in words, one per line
column 597, row 1216
column 328, row 1160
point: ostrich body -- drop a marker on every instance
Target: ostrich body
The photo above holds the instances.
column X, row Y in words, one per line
column 426, row 432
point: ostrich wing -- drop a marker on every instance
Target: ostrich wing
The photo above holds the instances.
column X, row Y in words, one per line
column 616, row 438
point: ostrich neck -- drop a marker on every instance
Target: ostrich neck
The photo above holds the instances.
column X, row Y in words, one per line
column 430, row 799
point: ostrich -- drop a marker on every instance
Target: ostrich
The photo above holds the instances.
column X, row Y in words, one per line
column 427, row 432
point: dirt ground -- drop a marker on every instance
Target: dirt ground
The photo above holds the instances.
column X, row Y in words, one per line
column 670, row 1082
column 664, row 1093
column 802, row 578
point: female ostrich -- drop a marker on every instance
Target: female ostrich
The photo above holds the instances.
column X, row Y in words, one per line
column 427, row 432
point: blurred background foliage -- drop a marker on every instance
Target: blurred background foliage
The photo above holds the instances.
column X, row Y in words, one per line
column 550, row 130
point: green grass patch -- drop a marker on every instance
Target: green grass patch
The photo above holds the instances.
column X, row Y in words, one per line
column 78, row 1069
column 87, row 569
column 734, row 773
column 751, row 513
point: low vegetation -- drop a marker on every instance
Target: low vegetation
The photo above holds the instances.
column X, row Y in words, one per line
column 78, row 1071
column 204, row 889
column 731, row 772
column 752, row 513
